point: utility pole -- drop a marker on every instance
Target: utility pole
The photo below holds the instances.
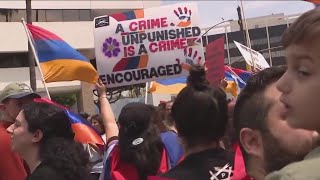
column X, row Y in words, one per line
column 240, row 22
column 33, row 82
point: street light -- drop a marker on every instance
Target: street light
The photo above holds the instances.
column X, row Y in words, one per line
column 215, row 26
column 205, row 33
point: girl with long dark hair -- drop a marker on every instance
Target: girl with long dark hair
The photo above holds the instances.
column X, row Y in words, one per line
column 43, row 137
column 200, row 114
column 137, row 149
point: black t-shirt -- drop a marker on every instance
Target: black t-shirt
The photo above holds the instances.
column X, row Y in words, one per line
column 45, row 172
column 212, row 164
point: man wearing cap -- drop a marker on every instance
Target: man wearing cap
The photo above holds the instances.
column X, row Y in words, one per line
column 12, row 98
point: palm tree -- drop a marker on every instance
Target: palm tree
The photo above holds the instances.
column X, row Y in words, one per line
column 7, row 12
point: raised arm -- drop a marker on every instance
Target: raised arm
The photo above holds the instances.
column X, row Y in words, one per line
column 109, row 121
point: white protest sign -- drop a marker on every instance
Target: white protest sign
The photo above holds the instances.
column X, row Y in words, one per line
column 145, row 45
column 259, row 61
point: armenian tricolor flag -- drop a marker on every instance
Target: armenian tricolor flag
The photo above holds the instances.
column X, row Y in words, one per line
column 58, row 60
column 168, row 86
column 84, row 132
column 125, row 16
column 129, row 63
column 236, row 80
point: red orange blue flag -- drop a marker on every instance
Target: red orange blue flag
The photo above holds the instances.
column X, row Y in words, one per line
column 58, row 60
column 240, row 75
column 84, row 132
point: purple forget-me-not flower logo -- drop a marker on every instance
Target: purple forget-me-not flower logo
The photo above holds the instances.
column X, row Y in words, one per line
column 111, row 47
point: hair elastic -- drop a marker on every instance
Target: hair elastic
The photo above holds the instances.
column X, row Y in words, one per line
column 137, row 141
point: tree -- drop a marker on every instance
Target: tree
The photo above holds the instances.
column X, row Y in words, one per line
column 67, row 100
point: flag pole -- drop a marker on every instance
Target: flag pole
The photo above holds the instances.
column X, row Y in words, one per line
column 146, row 93
column 35, row 56
column 248, row 36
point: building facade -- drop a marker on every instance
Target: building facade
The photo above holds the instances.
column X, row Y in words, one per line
column 72, row 21
column 265, row 36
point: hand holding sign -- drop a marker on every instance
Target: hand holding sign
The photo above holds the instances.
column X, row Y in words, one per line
column 101, row 88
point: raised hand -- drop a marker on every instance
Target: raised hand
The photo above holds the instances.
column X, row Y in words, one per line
column 101, row 88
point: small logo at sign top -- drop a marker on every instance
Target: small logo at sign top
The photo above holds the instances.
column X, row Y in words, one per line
column 101, row 22
column 137, row 141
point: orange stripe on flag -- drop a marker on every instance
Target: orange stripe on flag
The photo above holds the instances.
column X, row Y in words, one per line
column 143, row 61
column 139, row 13
column 68, row 70
column 158, row 88
column 85, row 135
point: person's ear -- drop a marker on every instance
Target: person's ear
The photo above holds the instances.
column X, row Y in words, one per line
column 37, row 136
column 2, row 107
column 251, row 141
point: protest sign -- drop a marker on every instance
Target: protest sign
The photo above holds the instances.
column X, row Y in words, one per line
column 258, row 59
column 215, row 61
column 145, row 45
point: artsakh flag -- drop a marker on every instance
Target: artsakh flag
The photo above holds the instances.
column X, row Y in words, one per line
column 242, row 76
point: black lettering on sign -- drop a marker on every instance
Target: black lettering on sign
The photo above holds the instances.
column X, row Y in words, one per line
column 110, row 79
column 153, row 73
column 103, row 78
column 142, row 49
column 142, row 74
column 169, row 70
column 119, row 78
column 162, row 71
column 127, row 76
column 119, row 28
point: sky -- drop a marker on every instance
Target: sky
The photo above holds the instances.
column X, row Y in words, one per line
column 211, row 12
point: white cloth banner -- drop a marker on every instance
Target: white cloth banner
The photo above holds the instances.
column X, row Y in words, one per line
column 259, row 61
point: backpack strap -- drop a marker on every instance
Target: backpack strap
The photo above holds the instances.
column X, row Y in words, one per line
column 105, row 175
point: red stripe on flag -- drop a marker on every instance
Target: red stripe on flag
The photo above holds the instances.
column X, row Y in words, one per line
column 42, row 34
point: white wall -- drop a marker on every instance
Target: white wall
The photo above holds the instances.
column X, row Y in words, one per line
column 8, row 75
column 74, row 4
column 78, row 34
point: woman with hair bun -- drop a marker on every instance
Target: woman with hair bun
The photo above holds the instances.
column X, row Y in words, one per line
column 200, row 114
column 137, row 149
column 43, row 137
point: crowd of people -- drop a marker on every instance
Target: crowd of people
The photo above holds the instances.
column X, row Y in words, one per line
column 270, row 132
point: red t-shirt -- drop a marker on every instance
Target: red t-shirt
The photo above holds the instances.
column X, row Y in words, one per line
column 11, row 165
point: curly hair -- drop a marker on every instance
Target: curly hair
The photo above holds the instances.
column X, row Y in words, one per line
column 138, row 120
column 57, row 147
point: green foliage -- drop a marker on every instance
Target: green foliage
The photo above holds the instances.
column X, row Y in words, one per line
column 67, row 100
